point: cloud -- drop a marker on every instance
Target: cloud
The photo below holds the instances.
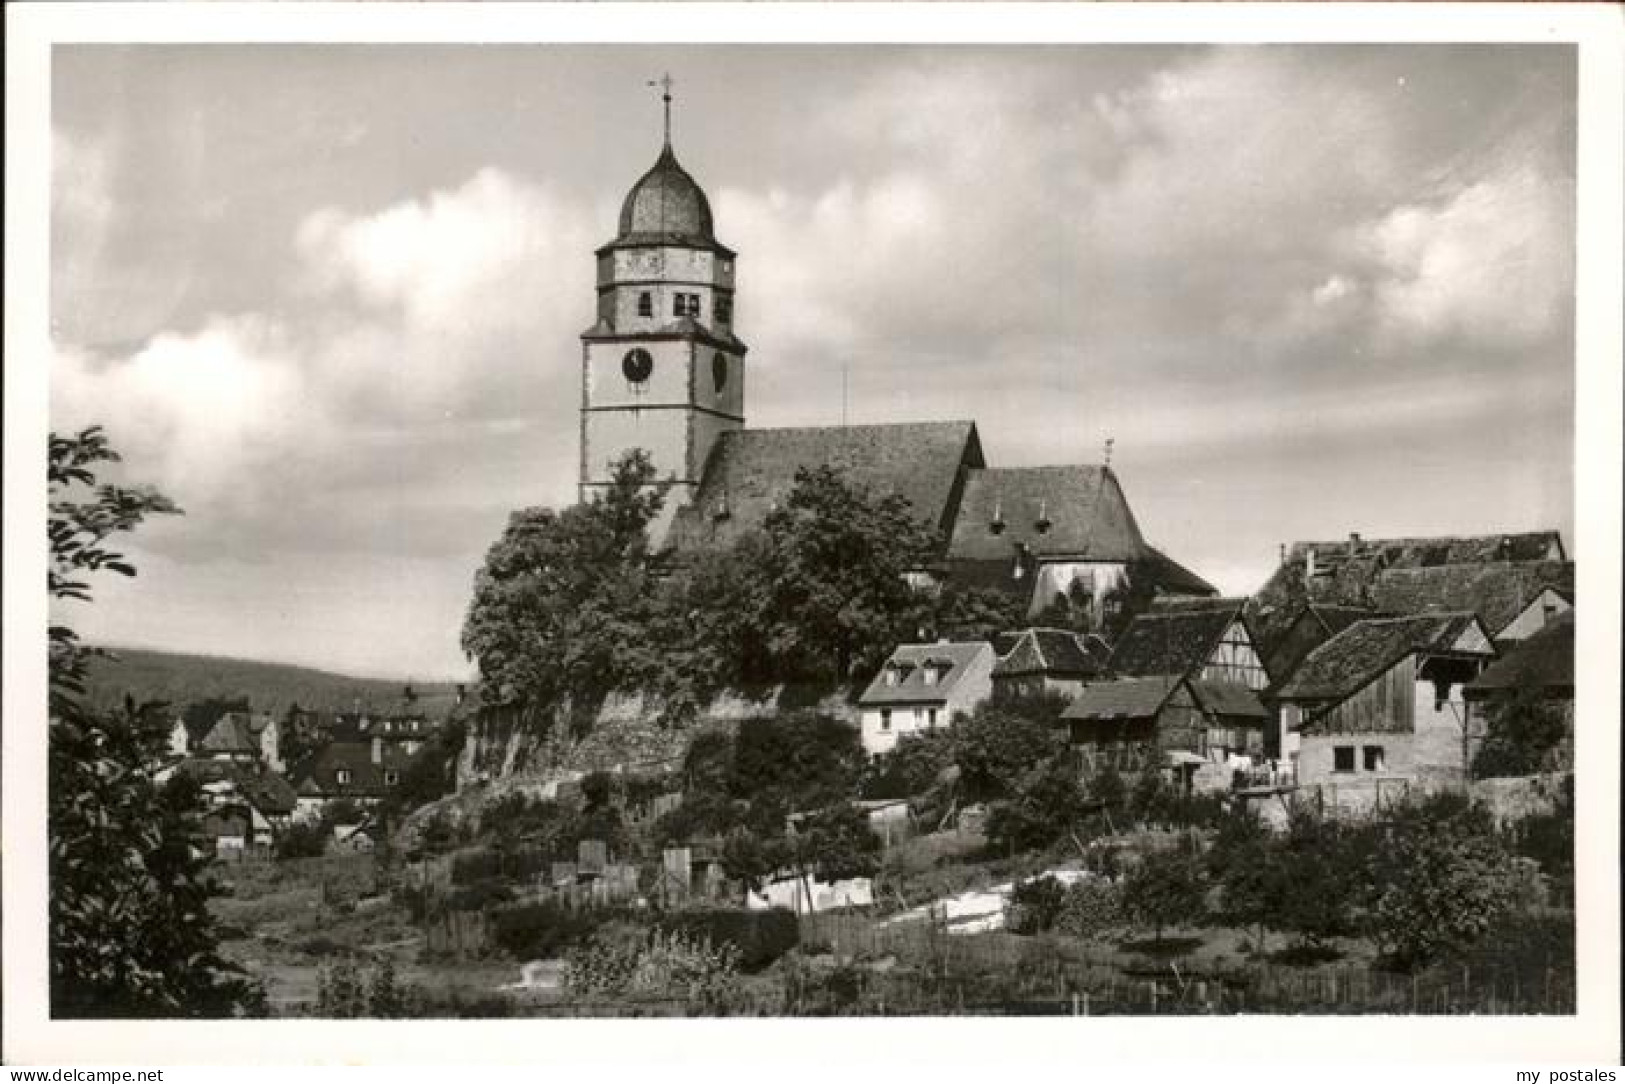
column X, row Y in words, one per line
column 434, row 344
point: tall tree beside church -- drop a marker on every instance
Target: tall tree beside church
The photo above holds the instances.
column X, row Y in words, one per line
column 131, row 935
column 837, row 598
column 562, row 606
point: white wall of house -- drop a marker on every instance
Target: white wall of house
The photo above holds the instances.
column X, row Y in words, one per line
column 880, row 727
column 1057, row 577
column 1547, row 605
column 791, row 894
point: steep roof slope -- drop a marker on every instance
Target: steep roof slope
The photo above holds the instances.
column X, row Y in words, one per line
column 909, row 661
column 1076, row 511
column 1172, row 641
column 1545, row 661
column 1497, row 593
column 1124, row 698
column 1346, row 662
column 750, row 471
column 1051, row 651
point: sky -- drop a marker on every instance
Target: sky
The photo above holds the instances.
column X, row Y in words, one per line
column 328, row 298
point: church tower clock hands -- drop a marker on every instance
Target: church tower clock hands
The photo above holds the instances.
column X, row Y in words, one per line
column 661, row 368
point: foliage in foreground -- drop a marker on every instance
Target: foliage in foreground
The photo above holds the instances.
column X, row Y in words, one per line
column 130, row 931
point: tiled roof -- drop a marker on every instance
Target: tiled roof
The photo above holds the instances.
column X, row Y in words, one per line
column 1228, row 700
column 909, row 661
column 317, row 775
column 264, row 790
column 1076, row 511
column 1365, row 649
column 1497, row 593
column 1173, row 642
column 1124, row 698
column 234, row 733
column 750, row 471
column 1050, row 651
column 1169, row 575
column 1347, row 569
column 1544, row 661
column 1315, row 624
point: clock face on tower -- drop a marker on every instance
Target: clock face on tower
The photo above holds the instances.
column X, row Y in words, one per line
column 719, row 371
column 637, row 365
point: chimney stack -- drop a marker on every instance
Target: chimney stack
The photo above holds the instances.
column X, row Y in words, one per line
column 1283, row 553
column 1354, row 541
column 1309, row 564
column 377, row 750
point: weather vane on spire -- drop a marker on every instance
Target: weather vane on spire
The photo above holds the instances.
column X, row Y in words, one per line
column 665, row 83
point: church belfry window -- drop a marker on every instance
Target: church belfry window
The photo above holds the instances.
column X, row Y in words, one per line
column 646, row 304
column 725, row 309
column 686, row 305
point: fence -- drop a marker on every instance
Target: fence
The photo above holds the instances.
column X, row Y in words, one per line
column 1002, row 974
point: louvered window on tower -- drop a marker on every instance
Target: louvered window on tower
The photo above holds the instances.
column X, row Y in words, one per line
column 646, row 304
column 725, row 309
column 686, row 305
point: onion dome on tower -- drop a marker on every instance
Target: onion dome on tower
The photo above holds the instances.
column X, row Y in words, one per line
column 666, row 206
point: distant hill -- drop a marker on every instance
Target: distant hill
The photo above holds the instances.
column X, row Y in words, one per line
column 269, row 686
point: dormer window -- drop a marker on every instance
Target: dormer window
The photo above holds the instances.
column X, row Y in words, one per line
column 343, row 777
column 932, row 673
column 646, row 304
column 996, row 524
column 892, row 676
column 1042, row 523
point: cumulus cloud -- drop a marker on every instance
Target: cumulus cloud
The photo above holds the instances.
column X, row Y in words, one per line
column 433, row 328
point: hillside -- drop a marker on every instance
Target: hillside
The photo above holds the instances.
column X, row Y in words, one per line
column 182, row 679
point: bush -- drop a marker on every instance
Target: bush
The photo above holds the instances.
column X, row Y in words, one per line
column 1034, row 905
column 911, row 767
column 1441, row 879
column 996, row 748
column 303, row 839
column 657, row 965
column 1090, row 908
column 757, row 937
column 1548, row 838
column 547, row 930
column 1048, row 804
column 1522, row 738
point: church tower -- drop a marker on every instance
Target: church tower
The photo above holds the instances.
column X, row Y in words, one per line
column 661, row 367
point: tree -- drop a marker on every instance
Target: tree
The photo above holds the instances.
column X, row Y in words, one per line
column 995, row 747
column 837, row 599
column 1248, row 868
column 1049, row 804
column 1523, row 732
column 1441, row 879
column 975, row 613
column 130, row 931
column 789, row 763
column 832, row 844
column 1166, row 888
column 561, row 607
column 911, row 767
column 1326, row 879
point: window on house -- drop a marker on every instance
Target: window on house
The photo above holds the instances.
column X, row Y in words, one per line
column 391, row 778
column 930, row 673
column 646, row 304
column 892, row 676
column 1371, row 756
column 931, row 717
column 885, row 718
column 1343, row 758
column 343, row 776
column 686, row 305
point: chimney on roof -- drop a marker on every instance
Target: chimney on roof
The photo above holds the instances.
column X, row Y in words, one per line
column 1309, row 564
column 377, row 749
column 1354, row 541
column 1283, row 553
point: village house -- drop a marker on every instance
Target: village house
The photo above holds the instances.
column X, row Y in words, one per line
column 1537, row 674
column 1037, row 662
column 1514, row 582
column 1203, row 639
column 922, row 687
column 1199, row 732
column 363, row 771
column 1382, row 702
column 242, row 737
column 248, row 804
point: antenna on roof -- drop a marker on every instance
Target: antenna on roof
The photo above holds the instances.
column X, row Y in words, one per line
column 665, row 84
